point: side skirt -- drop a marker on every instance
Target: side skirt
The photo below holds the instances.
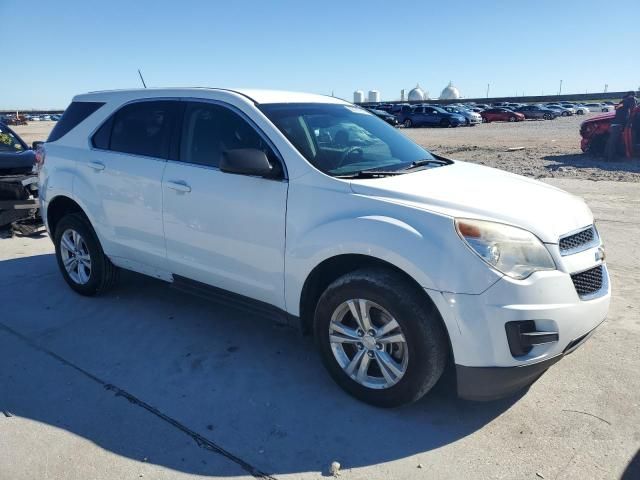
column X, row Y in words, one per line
column 234, row 300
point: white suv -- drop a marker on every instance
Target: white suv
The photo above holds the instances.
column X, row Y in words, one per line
column 398, row 261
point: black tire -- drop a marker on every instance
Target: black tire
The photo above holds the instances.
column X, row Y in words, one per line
column 419, row 320
column 408, row 123
column 485, row 120
column 104, row 274
column 565, row 114
column 512, row 118
column 445, row 123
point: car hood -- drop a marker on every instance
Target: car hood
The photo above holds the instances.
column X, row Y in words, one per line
column 474, row 191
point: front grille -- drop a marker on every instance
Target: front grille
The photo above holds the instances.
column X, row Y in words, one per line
column 588, row 282
column 578, row 241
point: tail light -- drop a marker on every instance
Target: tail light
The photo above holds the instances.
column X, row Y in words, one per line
column 40, row 157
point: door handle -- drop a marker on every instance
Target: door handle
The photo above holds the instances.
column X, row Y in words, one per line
column 179, row 186
column 96, row 165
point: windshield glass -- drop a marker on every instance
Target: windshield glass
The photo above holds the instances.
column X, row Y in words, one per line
column 9, row 142
column 344, row 139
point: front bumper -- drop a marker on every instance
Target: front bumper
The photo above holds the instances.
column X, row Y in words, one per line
column 491, row 383
column 477, row 326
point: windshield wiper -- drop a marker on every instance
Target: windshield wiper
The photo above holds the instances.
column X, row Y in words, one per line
column 371, row 174
column 425, row 162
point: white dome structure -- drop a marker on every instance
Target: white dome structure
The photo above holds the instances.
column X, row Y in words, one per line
column 450, row 93
column 417, row 94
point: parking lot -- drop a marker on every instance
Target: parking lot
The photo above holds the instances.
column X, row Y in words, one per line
column 148, row 382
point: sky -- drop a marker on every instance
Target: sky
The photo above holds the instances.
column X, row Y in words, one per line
column 56, row 49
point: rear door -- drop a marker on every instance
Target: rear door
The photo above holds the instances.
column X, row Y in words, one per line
column 124, row 173
column 223, row 229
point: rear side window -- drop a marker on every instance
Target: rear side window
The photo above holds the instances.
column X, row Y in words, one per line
column 143, row 128
column 73, row 115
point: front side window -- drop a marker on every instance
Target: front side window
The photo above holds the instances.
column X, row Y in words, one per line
column 9, row 142
column 210, row 129
column 344, row 139
column 142, row 128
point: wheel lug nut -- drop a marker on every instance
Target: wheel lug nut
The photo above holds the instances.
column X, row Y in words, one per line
column 360, row 346
column 370, row 353
column 360, row 333
column 372, row 332
column 379, row 346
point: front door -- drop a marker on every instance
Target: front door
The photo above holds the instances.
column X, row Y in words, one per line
column 223, row 229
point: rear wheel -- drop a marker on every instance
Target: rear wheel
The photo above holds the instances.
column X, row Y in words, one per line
column 83, row 264
column 380, row 338
column 408, row 123
column 565, row 114
column 547, row 116
column 445, row 122
column 512, row 118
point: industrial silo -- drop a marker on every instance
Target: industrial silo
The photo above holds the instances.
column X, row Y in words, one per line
column 417, row 94
column 358, row 96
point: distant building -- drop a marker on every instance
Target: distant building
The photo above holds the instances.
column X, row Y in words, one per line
column 374, row 96
column 417, row 94
column 450, row 93
column 358, row 96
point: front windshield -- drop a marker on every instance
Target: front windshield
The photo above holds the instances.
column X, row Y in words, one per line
column 344, row 139
column 9, row 142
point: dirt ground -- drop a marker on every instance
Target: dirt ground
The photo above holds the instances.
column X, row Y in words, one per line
column 551, row 149
column 148, row 382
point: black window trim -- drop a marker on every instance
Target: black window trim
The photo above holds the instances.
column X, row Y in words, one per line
column 176, row 135
column 245, row 117
column 95, row 102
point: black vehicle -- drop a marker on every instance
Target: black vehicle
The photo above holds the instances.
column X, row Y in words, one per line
column 537, row 112
column 19, row 210
column 387, row 117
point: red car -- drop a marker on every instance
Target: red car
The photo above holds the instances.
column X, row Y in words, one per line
column 500, row 115
column 595, row 132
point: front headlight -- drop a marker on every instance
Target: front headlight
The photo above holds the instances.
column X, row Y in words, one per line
column 510, row 250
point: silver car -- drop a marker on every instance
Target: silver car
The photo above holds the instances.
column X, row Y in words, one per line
column 472, row 118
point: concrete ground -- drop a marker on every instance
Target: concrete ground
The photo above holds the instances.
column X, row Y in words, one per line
column 148, row 382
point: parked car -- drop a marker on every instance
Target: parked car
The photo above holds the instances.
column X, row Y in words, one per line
column 562, row 111
column 581, row 109
column 387, row 117
column 501, row 114
column 537, row 112
column 595, row 133
column 15, row 121
column 19, row 209
column 398, row 261
column 471, row 118
column 427, row 115
column 599, row 107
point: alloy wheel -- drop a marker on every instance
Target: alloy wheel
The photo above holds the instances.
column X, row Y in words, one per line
column 75, row 256
column 368, row 344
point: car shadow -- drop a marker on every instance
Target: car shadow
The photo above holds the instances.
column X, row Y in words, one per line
column 581, row 160
column 248, row 386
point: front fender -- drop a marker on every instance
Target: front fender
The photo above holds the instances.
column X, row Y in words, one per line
column 429, row 251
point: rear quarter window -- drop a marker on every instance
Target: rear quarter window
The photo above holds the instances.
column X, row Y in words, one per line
column 72, row 117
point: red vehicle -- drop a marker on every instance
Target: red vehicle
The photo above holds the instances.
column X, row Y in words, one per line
column 499, row 114
column 595, row 132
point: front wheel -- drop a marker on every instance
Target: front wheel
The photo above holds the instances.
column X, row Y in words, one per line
column 408, row 123
column 81, row 260
column 512, row 119
column 380, row 337
column 445, row 123
column 565, row 114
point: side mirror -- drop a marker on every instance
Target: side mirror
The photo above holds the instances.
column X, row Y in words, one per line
column 246, row 161
column 36, row 145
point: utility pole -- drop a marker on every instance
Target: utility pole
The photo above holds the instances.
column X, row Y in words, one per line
column 606, row 87
column 488, row 86
column 560, row 91
column 142, row 79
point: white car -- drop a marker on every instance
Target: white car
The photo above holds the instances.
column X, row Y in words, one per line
column 398, row 261
column 599, row 107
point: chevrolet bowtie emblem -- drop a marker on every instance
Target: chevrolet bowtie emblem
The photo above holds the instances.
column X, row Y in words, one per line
column 600, row 254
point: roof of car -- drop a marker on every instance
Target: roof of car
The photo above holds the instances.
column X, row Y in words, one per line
column 256, row 96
